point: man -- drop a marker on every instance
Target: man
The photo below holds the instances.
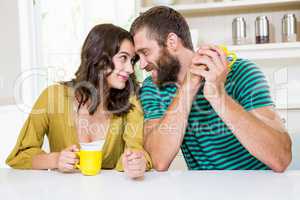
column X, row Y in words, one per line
column 221, row 118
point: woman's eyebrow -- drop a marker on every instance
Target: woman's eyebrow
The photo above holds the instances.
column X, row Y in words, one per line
column 124, row 52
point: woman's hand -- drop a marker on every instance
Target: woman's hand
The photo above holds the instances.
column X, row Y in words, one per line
column 67, row 159
column 134, row 163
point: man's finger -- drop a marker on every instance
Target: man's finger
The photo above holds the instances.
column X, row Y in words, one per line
column 222, row 55
column 217, row 49
column 214, row 57
column 208, row 62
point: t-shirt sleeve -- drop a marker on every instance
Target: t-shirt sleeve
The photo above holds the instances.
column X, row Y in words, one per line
column 151, row 101
column 251, row 87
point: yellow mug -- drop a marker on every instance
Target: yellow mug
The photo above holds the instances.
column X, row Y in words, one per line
column 231, row 56
column 90, row 162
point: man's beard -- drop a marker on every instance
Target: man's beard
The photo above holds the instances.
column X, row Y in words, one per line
column 168, row 68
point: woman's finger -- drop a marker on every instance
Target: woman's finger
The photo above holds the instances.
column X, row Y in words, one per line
column 134, row 155
column 71, row 161
column 71, row 155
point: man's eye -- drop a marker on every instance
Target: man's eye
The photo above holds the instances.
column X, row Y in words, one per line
column 146, row 53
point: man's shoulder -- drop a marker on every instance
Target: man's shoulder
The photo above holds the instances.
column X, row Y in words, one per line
column 149, row 85
column 242, row 65
column 243, row 69
column 148, row 82
column 151, row 91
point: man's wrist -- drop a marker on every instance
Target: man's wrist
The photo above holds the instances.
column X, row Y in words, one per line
column 190, row 87
column 219, row 102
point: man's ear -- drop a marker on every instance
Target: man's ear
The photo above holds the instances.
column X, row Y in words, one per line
column 172, row 42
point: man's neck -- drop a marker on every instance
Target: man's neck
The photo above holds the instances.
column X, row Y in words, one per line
column 185, row 59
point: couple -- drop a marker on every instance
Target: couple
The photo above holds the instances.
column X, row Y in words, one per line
column 221, row 118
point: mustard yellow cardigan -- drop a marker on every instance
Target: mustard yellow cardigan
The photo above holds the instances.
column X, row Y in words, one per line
column 53, row 115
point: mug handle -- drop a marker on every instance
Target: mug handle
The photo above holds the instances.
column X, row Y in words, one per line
column 231, row 56
column 77, row 165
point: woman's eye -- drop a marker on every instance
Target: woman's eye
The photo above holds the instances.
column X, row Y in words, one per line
column 135, row 59
column 123, row 58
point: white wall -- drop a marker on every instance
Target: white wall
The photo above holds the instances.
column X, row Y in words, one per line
column 9, row 50
column 11, row 121
column 284, row 80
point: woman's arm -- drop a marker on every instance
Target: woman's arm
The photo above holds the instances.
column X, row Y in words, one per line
column 32, row 134
column 64, row 161
column 45, row 161
column 133, row 137
column 28, row 153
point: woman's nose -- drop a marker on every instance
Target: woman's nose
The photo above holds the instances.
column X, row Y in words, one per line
column 129, row 68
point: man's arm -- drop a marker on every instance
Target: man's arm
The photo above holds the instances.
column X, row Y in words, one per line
column 260, row 131
column 163, row 137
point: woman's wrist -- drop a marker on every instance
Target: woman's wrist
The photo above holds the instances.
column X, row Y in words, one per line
column 53, row 160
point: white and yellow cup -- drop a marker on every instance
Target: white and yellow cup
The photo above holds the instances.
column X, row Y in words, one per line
column 90, row 158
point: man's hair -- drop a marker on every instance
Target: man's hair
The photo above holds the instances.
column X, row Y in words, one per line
column 159, row 21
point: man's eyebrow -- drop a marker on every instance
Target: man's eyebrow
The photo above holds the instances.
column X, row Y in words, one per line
column 140, row 50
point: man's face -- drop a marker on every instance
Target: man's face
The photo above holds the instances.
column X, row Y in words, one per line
column 164, row 67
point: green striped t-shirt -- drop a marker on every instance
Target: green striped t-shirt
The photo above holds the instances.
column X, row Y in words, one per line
column 208, row 143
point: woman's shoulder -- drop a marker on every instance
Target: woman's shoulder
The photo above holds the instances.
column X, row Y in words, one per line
column 134, row 100
column 58, row 88
column 136, row 105
column 53, row 96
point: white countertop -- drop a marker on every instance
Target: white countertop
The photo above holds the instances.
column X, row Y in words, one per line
column 171, row 185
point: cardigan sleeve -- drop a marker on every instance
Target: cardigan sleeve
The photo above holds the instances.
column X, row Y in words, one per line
column 31, row 137
column 133, row 133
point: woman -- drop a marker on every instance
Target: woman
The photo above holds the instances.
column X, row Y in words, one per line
column 99, row 103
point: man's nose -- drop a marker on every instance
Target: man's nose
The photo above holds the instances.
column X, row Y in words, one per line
column 143, row 64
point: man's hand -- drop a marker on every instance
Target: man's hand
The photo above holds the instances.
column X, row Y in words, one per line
column 193, row 80
column 211, row 64
column 134, row 163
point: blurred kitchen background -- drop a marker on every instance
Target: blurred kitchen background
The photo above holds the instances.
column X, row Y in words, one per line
column 40, row 42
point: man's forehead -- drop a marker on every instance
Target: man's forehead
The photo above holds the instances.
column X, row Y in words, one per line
column 143, row 39
column 141, row 35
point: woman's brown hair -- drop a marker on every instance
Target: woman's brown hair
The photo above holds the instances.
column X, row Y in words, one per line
column 101, row 44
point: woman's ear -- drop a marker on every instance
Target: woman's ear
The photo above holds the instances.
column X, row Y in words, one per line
column 108, row 71
column 172, row 42
column 104, row 72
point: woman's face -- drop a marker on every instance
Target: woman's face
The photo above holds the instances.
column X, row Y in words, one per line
column 123, row 66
